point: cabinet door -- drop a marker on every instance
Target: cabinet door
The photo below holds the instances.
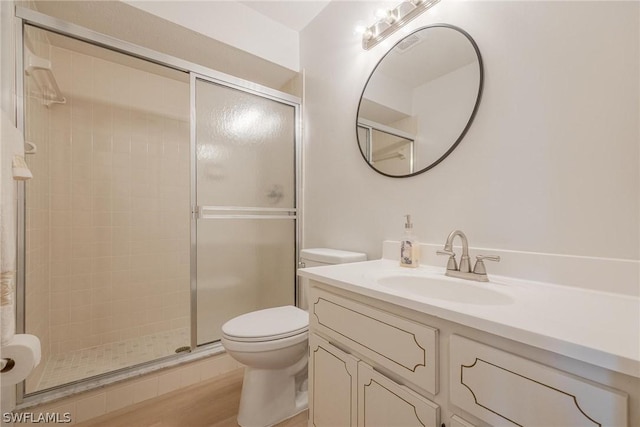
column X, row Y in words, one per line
column 456, row 421
column 333, row 385
column 508, row 390
column 384, row 403
column 401, row 346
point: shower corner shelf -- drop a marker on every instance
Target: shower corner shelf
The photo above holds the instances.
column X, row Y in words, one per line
column 40, row 69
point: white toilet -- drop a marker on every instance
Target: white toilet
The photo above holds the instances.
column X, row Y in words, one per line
column 272, row 344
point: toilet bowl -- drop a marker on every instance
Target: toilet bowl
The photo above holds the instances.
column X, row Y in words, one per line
column 273, row 345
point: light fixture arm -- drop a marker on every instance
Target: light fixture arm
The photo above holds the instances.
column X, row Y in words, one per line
column 395, row 19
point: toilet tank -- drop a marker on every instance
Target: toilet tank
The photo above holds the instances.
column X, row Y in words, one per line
column 316, row 257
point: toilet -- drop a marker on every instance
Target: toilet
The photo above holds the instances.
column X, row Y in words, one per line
column 272, row 344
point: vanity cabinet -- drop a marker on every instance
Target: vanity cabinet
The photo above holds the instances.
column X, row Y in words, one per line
column 345, row 391
column 373, row 363
column 350, row 346
column 505, row 389
column 400, row 346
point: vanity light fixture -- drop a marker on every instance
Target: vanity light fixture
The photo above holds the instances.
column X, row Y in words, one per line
column 392, row 20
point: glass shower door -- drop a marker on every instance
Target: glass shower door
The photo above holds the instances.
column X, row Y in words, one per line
column 107, row 213
column 246, row 204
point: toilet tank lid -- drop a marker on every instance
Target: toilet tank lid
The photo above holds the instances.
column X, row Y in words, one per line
column 332, row 256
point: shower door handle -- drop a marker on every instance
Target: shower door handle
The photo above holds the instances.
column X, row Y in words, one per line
column 237, row 212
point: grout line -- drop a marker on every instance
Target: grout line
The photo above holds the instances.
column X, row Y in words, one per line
column 80, row 364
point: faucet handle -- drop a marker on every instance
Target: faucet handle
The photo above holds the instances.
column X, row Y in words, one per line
column 488, row 258
column 451, row 264
column 479, row 268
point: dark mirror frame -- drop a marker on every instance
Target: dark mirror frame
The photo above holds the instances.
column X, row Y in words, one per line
column 471, row 117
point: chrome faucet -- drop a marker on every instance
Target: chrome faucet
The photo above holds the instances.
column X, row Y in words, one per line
column 479, row 272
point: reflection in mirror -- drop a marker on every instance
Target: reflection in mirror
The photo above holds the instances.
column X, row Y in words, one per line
column 420, row 101
column 385, row 147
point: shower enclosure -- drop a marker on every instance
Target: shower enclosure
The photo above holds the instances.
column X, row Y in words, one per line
column 163, row 203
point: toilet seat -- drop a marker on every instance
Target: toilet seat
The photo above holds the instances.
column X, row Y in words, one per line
column 265, row 346
column 267, row 325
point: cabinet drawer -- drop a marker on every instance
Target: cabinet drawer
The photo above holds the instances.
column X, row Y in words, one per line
column 333, row 383
column 403, row 347
column 504, row 389
column 383, row 403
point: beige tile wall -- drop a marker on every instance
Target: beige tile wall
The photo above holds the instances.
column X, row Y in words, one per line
column 108, row 209
column 119, row 169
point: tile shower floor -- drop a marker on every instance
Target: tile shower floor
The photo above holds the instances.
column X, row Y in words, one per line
column 80, row 364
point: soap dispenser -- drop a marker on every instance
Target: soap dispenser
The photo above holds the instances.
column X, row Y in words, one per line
column 409, row 246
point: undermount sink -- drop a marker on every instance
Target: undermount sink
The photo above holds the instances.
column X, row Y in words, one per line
column 445, row 289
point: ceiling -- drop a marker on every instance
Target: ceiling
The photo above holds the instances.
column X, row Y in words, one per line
column 295, row 14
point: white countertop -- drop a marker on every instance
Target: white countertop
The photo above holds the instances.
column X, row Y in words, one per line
column 596, row 327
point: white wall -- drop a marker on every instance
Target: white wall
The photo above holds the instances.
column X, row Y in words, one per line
column 551, row 163
column 391, row 92
column 233, row 23
column 445, row 105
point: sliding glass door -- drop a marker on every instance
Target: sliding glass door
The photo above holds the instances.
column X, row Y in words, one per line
column 245, row 197
column 107, row 219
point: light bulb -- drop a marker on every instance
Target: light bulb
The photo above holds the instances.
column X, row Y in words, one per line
column 368, row 34
column 391, row 16
column 404, row 9
column 381, row 13
column 359, row 30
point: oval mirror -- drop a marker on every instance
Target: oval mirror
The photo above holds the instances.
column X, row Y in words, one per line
column 419, row 101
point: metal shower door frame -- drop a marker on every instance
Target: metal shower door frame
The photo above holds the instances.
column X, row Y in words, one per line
column 240, row 212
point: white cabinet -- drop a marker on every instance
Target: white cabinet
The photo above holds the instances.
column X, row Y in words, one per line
column 374, row 363
column 384, row 403
column 333, row 381
column 401, row 346
column 504, row 389
column 456, row 421
column 344, row 391
column 347, row 341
